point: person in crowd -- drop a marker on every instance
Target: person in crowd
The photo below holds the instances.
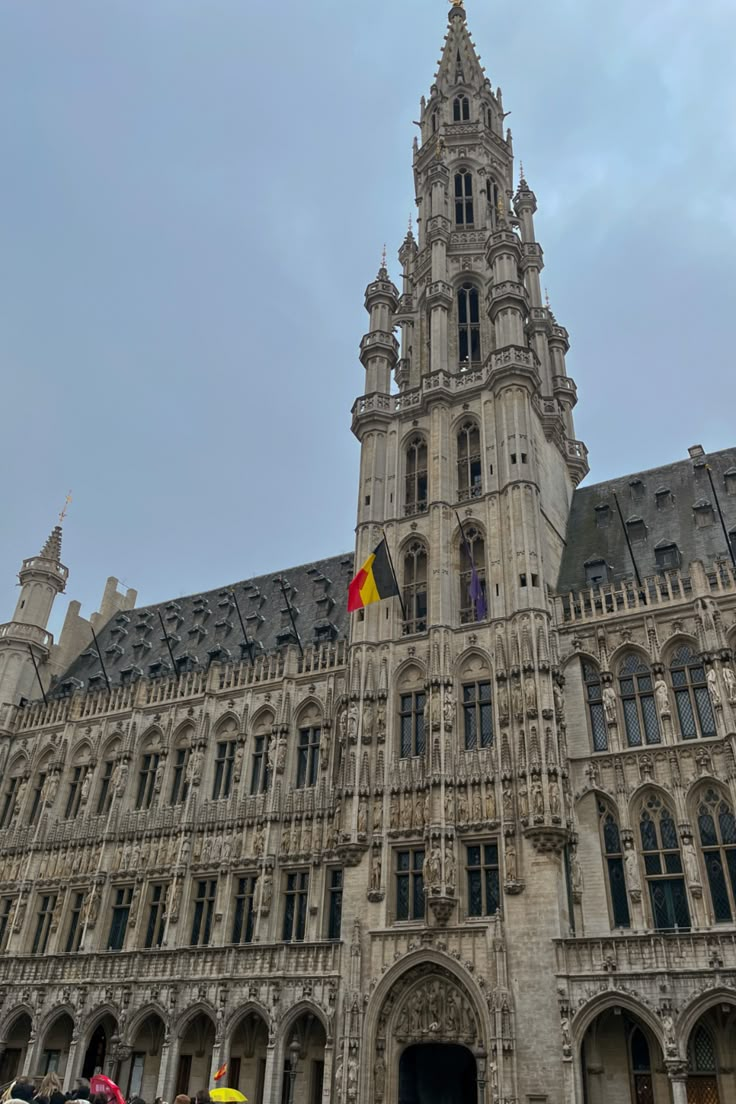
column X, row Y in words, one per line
column 80, row 1090
column 203, row 1096
column 182, row 1098
column 49, row 1091
column 23, row 1089
column 99, row 1098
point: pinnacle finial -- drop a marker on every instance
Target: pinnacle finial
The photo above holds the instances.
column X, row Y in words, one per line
column 383, row 256
column 52, row 548
column 546, row 298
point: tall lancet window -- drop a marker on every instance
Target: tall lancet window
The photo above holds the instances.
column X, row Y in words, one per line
column 415, row 498
column 473, row 605
column 415, row 588
column 663, row 865
column 469, row 477
column 464, row 198
column 461, row 109
column 468, row 325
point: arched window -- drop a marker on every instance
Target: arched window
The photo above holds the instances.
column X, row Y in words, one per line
column 641, row 1067
column 694, row 708
column 492, row 196
column 435, row 122
column 614, row 857
column 637, row 697
column 594, row 698
column 148, row 774
column 415, row 588
column 260, row 769
column 227, row 738
column 663, row 865
column 717, row 829
column 463, row 198
column 468, row 326
column 461, row 109
column 473, row 604
column 701, row 1063
column 469, row 477
column 415, row 496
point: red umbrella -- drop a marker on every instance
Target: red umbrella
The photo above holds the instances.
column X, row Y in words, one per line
column 101, row 1084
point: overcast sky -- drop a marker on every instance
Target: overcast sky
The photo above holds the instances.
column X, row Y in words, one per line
column 194, row 194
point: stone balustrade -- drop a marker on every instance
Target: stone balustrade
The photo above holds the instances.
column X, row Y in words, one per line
column 648, row 953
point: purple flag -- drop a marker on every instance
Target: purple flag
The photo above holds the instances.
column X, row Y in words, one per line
column 477, row 597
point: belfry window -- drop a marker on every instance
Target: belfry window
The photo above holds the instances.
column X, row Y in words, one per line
column 463, row 198
column 663, row 865
column 416, row 477
column 637, row 698
column 461, row 109
column 492, row 195
column 415, row 588
column 689, row 682
column 468, row 326
column 469, row 476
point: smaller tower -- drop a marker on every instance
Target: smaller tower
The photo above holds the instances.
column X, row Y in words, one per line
column 25, row 639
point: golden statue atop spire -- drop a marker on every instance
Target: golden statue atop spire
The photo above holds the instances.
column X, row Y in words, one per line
column 65, row 508
column 457, row 3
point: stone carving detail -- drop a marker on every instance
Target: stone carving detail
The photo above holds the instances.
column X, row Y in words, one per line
column 428, row 1005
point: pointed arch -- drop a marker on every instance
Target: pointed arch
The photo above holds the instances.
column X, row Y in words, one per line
column 636, row 692
column 689, row 687
column 139, row 1017
column 10, row 1019
column 190, row 1014
column 416, row 474
column 614, row 860
column 693, row 1012
column 250, row 1008
column 415, row 585
column 712, row 814
column 661, row 850
column 615, row 998
column 224, row 723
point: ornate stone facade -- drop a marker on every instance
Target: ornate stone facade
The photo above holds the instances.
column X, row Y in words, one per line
column 489, row 835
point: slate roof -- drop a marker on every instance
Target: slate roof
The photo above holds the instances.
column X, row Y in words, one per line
column 205, row 627
column 673, row 504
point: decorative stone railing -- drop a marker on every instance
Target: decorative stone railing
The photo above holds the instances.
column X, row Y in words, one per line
column 27, row 634
column 667, row 588
column 471, row 944
column 257, row 959
column 650, row 952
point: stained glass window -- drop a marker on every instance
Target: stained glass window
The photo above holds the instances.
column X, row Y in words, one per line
column 615, row 867
column 593, row 694
column 637, row 698
column 717, row 828
column 694, row 709
column 663, row 865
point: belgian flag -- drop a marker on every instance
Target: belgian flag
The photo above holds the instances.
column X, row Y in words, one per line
column 375, row 580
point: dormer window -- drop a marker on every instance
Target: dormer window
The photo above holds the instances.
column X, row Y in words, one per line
column 729, row 479
column 602, row 515
column 464, row 198
column 461, row 109
column 663, row 497
column 596, row 572
column 667, row 555
column 636, row 529
column 704, row 515
column 636, row 487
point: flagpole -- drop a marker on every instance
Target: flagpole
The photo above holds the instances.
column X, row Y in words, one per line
column 393, row 572
column 729, row 543
column 291, row 616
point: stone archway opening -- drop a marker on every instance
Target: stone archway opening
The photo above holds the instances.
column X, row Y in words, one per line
column 304, row 1062
column 140, row 1063
column 197, row 1042
column 437, row 1073
column 621, row 1060
column 711, row 1078
column 98, row 1048
column 53, row 1053
column 16, row 1047
column 246, row 1066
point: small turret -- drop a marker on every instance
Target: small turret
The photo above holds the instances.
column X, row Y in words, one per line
column 379, row 349
column 25, row 644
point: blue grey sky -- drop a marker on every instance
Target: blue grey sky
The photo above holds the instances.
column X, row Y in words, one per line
column 196, row 192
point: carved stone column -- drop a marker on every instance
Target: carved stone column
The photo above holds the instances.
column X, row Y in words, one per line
column 270, row 1083
column 29, row 1059
column 677, row 1072
column 327, row 1074
column 163, row 1067
column 71, row 1062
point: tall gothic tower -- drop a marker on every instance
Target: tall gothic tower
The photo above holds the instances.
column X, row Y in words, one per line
column 472, row 457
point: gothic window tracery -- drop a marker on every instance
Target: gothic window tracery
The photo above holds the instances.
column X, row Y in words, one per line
column 701, row 1053
column 637, row 699
column 717, row 831
column 614, row 859
column 415, row 588
column 469, row 472
column 641, row 1067
column 473, row 601
column 477, row 714
column 596, row 712
column 464, row 198
column 411, row 724
column 468, row 325
column 415, row 483
column 461, row 109
column 694, row 709
column 663, row 865
column 409, row 884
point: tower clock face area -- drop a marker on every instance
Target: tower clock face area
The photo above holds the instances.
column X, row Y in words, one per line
column 447, row 818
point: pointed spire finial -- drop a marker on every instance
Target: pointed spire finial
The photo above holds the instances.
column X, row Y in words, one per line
column 52, row 548
column 65, row 508
column 546, row 298
column 383, row 256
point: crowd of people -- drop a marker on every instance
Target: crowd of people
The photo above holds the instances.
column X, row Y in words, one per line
column 49, row 1091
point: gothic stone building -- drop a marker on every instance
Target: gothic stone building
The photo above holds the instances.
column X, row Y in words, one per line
column 426, row 857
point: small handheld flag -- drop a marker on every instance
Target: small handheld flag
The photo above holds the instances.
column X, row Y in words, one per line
column 375, row 580
column 220, row 1072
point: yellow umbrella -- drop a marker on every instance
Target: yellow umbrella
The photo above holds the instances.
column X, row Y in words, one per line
column 225, row 1095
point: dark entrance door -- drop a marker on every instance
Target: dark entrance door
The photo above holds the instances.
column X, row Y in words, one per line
column 94, row 1059
column 437, row 1073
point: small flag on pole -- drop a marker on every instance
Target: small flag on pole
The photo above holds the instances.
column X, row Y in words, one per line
column 221, row 1072
column 375, row 580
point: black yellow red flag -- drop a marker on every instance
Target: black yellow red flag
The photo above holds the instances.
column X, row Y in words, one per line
column 375, row 580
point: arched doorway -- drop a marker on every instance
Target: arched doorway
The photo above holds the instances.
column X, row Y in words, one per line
column 304, row 1062
column 246, row 1067
column 196, row 1043
column 54, row 1050
column 16, row 1045
column 140, row 1066
column 711, row 1078
column 437, row 1073
column 99, row 1046
column 622, row 1060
